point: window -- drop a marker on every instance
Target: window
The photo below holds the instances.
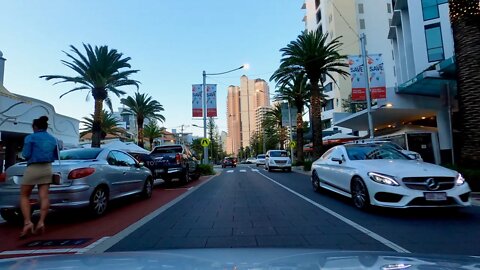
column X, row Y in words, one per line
column 433, row 37
column 360, row 8
column 329, row 105
column 326, row 155
column 389, row 8
column 430, row 9
column 327, row 123
column 362, row 24
column 123, row 159
column 327, row 88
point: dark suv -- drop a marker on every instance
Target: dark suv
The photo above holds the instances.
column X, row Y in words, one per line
column 229, row 161
column 174, row 161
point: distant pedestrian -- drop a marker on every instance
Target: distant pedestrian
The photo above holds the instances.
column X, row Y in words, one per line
column 40, row 150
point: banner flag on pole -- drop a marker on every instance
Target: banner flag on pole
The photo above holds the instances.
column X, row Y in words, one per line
column 197, row 100
column 211, row 100
column 376, row 74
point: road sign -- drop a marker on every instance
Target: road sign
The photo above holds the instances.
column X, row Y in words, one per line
column 293, row 144
column 205, row 142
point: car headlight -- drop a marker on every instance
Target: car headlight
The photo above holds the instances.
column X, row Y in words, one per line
column 460, row 180
column 383, row 179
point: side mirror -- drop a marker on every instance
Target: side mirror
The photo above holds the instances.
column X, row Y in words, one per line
column 267, row 156
column 336, row 159
column 412, row 156
column 140, row 164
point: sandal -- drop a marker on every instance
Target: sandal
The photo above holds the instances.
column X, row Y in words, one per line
column 40, row 229
column 27, row 230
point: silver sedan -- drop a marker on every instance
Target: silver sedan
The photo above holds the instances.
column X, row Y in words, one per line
column 89, row 178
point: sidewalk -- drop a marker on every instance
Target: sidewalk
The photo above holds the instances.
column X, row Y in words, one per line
column 299, row 169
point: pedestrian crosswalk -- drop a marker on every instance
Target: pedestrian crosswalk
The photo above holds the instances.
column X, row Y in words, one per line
column 241, row 170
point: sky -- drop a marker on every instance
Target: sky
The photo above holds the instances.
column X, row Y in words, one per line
column 170, row 42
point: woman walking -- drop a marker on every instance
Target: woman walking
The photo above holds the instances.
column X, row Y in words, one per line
column 40, row 150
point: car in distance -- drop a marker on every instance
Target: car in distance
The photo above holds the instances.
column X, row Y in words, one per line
column 229, row 161
column 251, row 160
column 278, row 159
column 89, row 178
column 260, row 160
column 377, row 175
column 174, row 161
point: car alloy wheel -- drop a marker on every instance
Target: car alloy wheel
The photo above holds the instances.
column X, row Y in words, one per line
column 316, row 182
column 99, row 201
column 359, row 194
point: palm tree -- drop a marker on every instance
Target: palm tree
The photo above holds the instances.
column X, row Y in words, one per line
column 101, row 71
column 152, row 131
column 273, row 122
column 312, row 54
column 109, row 125
column 144, row 107
column 296, row 92
column 465, row 19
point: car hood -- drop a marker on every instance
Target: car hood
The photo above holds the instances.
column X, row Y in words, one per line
column 243, row 259
column 405, row 168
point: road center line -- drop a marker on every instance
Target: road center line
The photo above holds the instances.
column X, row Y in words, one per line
column 357, row 226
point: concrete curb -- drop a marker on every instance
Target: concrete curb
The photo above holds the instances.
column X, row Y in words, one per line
column 299, row 169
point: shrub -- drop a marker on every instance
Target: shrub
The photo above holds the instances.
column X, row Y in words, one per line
column 206, row 169
column 307, row 165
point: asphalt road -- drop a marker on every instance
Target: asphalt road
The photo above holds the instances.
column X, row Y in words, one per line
column 246, row 207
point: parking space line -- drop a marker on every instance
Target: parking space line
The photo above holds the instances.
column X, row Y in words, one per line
column 229, row 171
column 357, row 226
column 243, row 170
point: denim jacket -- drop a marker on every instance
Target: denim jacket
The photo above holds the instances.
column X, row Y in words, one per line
column 40, row 147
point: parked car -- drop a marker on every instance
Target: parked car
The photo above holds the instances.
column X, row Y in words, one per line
column 260, row 160
column 89, row 178
column 278, row 159
column 229, row 161
column 175, row 161
column 373, row 174
column 251, row 160
column 145, row 159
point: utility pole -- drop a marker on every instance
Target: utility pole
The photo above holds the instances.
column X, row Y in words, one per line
column 367, row 90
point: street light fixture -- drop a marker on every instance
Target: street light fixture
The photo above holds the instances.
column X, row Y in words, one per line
column 204, row 103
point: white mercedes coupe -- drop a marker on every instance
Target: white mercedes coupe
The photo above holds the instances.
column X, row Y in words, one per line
column 382, row 176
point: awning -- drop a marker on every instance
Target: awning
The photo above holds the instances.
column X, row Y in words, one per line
column 382, row 117
column 447, row 68
column 427, row 83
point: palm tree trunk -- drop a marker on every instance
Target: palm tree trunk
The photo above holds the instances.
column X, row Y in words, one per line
column 140, row 131
column 150, row 140
column 299, row 135
column 316, row 106
column 97, row 123
column 465, row 18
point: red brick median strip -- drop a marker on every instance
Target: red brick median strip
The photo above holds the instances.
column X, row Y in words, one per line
column 115, row 221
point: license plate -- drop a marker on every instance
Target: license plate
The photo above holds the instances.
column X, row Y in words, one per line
column 435, row 196
column 159, row 171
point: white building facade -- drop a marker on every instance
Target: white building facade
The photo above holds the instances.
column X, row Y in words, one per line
column 421, row 101
column 348, row 19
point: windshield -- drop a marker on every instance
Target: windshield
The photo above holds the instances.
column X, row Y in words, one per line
column 364, row 152
column 200, row 91
column 80, row 154
column 278, row 154
column 167, row 150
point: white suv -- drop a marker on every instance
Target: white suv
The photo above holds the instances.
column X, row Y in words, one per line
column 278, row 159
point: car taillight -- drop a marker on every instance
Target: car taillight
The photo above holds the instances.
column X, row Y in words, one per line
column 80, row 173
column 178, row 158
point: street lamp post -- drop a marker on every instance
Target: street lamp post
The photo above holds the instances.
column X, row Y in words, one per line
column 204, row 103
column 367, row 90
